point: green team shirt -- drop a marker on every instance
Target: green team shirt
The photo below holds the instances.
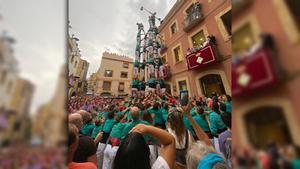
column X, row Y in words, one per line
column 129, row 115
column 135, row 83
column 108, row 125
column 116, row 131
column 150, row 61
column 152, row 82
column 102, row 115
column 228, row 107
column 96, row 130
column 142, row 85
column 130, row 125
column 188, row 125
column 216, row 123
column 87, row 129
column 164, row 114
column 158, row 116
column 121, row 113
column 202, row 122
column 136, row 64
column 193, row 112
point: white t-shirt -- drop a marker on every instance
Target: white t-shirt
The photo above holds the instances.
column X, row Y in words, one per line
column 160, row 163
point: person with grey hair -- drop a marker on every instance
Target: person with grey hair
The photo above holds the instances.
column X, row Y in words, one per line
column 76, row 119
column 88, row 125
column 202, row 156
column 86, row 150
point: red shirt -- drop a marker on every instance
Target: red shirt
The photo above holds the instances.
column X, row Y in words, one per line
column 86, row 165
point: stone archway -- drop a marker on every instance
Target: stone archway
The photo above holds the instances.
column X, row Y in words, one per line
column 222, row 77
column 241, row 111
column 212, row 83
column 265, row 124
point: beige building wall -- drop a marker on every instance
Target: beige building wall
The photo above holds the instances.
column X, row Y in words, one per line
column 23, row 92
column 91, row 83
column 15, row 94
column 212, row 24
column 8, row 71
column 77, row 67
column 117, row 64
column 275, row 18
column 50, row 120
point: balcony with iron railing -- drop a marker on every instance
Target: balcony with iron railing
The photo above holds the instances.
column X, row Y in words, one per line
column 193, row 18
column 257, row 68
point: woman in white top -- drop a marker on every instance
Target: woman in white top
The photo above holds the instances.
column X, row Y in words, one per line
column 182, row 136
column 134, row 153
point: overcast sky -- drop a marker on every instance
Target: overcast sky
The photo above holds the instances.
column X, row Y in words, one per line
column 39, row 29
column 110, row 24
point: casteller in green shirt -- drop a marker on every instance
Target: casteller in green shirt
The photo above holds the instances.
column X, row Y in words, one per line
column 87, row 129
column 108, row 125
column 96, row 130
column 116, row 131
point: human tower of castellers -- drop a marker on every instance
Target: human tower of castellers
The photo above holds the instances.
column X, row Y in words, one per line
column 149, row 69
column 149, row 130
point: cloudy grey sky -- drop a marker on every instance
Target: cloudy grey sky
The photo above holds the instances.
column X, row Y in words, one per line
column 39, row 29
column 110, row 24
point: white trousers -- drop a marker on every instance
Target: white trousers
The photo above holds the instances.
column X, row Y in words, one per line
column 109, row 156
column 99, row 154
column 216, row 144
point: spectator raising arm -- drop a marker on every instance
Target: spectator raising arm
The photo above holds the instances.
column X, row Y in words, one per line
column 168, row 150
column 199, row 132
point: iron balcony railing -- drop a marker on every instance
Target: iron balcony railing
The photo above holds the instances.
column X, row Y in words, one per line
column 193, row 18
